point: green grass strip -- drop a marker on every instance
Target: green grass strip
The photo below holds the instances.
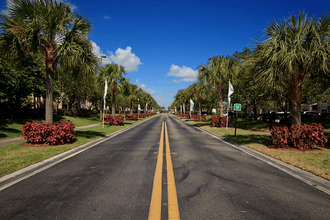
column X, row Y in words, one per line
column 14, row 157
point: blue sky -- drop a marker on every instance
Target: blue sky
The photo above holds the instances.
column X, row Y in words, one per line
column 161, row 43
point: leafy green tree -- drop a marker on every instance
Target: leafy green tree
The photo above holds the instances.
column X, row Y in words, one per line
column 48, row 27
column 200, row 90
column 20, row 76
column 296, row 47
column 250, row 92
column 217, row 72
column 114, row 75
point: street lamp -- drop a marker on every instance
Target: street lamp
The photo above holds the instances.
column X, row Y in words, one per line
column 138, row 108
column 102, row 56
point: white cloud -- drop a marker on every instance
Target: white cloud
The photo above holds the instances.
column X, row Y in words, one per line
column 98, row 53
column 122, row 57
column 144, row 88
column 186, row 74
column 126, row 59
column 106, row 17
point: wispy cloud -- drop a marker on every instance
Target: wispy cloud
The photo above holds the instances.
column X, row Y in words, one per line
column 145, row 88
column 186, row 74
column 98, row 53
column 106, row 17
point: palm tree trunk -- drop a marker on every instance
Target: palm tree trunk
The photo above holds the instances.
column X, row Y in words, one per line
column 113, row 110
column 199, row 107
column 184, row 108
column 131, row 107
column 295, row 93
column 220, row 98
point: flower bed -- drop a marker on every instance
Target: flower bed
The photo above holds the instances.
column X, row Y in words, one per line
column 45, row 133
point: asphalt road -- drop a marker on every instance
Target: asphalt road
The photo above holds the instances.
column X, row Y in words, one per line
column 214, row 180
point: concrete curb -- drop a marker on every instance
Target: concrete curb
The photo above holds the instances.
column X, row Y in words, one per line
column 21, row 139
column 29, row 171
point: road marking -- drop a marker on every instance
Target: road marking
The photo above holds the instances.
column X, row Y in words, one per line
column 173, row 208
column 156, row 198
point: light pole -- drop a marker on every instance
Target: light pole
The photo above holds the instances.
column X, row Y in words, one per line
column 138, row 108
column 102, row 111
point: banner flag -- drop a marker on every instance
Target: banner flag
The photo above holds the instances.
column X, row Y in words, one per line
column 191, row 105
column 105, row 93
column 230, row 89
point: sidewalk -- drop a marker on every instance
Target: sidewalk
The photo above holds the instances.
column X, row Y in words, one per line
column 20, row 139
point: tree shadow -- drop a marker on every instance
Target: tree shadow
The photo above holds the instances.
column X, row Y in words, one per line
column 249, row 139
column 89, row 134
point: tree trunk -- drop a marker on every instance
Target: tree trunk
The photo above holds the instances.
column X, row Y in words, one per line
column 101, row 109
column 295, row 95
column 49, row 95
column 184, row 108
column 220, row 98
column 189, row 109
column 131, row 107
column 199, row 107
column 49, row 55
column 113, row 110
column 255, row 117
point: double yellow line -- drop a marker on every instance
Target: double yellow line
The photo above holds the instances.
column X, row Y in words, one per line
column 156, row 198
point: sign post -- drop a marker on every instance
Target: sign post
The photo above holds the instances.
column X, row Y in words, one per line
column 237, row 108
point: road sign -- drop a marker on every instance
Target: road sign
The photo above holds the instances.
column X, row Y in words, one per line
column 237, row 107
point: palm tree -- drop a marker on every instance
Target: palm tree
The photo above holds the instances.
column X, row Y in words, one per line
column 51, row 28
column 200, row 90
column 295, row 47
column 217, row 72
column 131, row 93
column 114, row 75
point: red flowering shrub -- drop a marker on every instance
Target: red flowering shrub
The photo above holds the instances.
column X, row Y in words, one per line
column 109, row 119
column 119, row 120
column 300, row 137
column 219, row 122
column 198, row 117
column 142, row 115
column 41, row 133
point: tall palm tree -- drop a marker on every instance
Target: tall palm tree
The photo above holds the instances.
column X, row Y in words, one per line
column 217, row 72
column 48, row 27
column 131, row 93
column 200, row 90
column 114, row 75
column 295, row 47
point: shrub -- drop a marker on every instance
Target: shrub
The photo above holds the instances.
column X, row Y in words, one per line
column 119, row 120
column 41, row 133
column 300, row 137
column 219, row 122
column 109, row 119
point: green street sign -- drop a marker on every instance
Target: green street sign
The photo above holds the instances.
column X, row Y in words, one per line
column 237, row 107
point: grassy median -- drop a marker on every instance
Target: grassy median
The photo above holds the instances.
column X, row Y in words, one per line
column 13, row 128
column 14, row 157
column 315, row 162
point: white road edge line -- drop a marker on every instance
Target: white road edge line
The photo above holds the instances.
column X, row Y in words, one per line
column 272, row 162
column 54, row 160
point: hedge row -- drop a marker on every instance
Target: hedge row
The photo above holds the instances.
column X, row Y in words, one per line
column 219, row 122
column 45, row 133
column 300, row 137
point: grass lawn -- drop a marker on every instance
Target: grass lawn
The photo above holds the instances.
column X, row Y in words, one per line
column 316, row 162
column 14, row 157
column 13, row 128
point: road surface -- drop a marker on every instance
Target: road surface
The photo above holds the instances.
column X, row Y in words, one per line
column 129, row 176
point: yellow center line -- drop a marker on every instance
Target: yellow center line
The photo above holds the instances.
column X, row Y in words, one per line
column 156, row 198
column 173, row 208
